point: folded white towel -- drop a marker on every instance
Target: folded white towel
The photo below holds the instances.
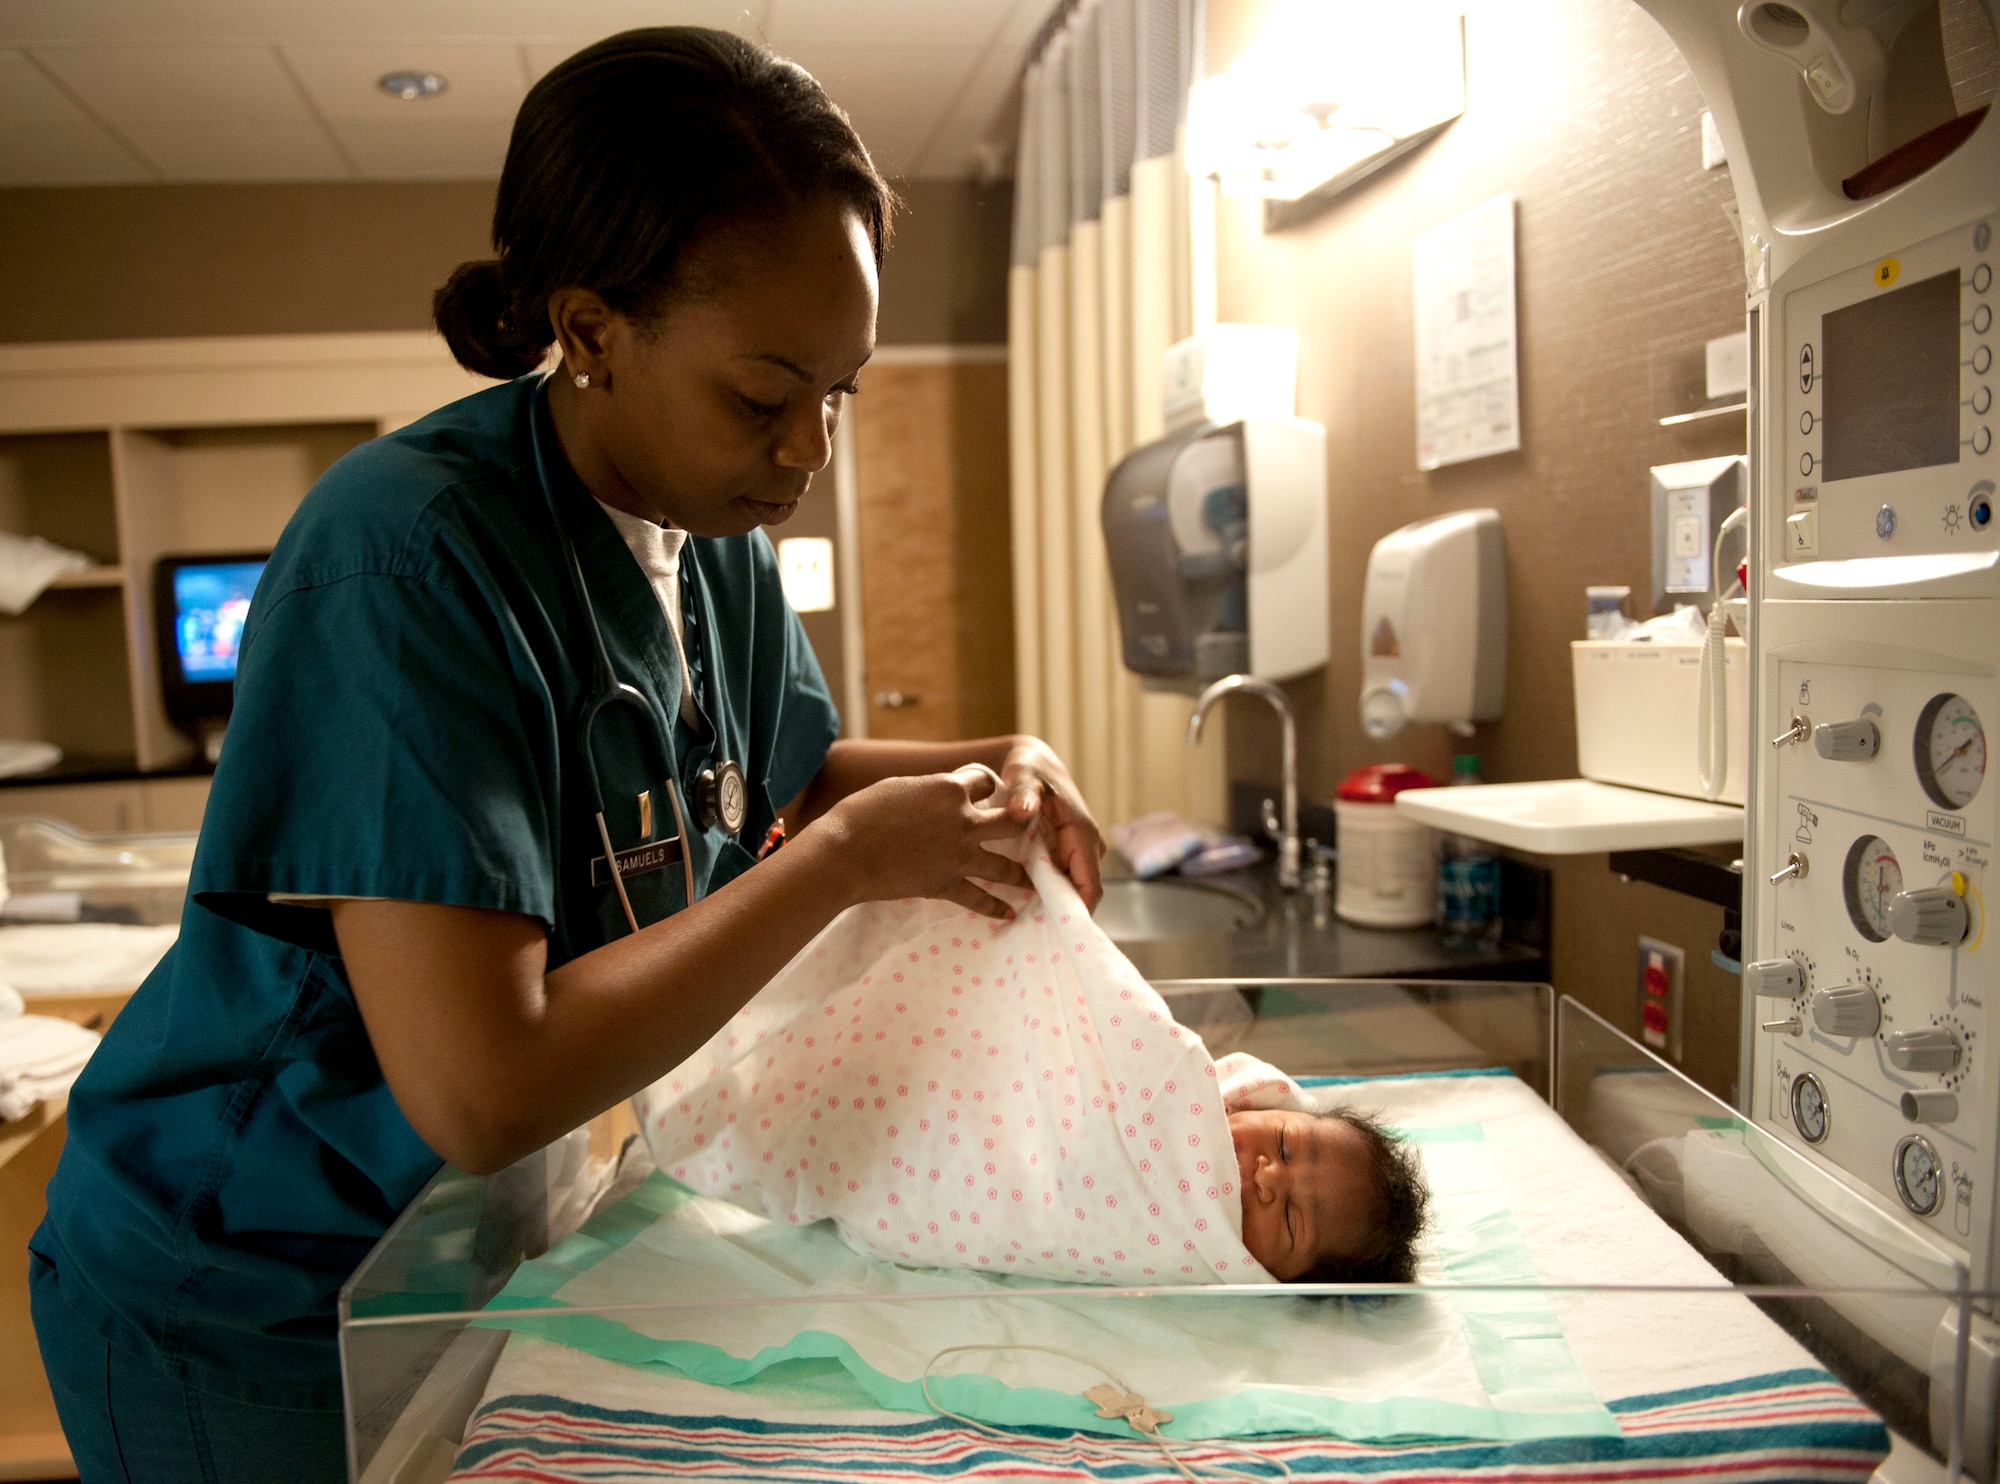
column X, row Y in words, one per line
column 28, row 564
column 40, row 1056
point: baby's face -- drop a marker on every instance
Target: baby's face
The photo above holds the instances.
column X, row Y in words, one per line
column 1306, row 1193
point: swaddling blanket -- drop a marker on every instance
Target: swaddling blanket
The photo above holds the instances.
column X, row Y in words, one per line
column 955, row 1091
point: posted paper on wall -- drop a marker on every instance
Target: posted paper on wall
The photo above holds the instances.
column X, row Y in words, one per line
column 1468, row 392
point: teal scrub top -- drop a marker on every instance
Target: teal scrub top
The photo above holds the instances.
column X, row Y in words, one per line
column 405, row 722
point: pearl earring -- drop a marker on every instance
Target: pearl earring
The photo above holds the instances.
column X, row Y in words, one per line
column 582, row 380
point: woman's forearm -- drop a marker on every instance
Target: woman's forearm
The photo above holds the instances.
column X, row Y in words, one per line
column 490, row 1058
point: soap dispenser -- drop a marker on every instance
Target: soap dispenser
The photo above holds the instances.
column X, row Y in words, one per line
column 1434, row 625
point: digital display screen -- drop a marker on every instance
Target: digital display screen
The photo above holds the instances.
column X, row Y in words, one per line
column 1889, row 382
column 210, row 605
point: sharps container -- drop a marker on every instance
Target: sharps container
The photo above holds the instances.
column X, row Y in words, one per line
column 1388, row 862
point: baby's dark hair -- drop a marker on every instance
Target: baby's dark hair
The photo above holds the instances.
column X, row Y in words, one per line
column 1402, row 1205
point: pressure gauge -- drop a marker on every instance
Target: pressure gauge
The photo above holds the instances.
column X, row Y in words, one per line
column 1918, row 1178
column 1870, row 882
column 1951, row 751
column 1809, row 1110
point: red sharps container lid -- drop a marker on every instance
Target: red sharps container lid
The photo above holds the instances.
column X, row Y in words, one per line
column 1381, row 782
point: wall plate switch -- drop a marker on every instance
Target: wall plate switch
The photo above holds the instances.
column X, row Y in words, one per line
column 1662, row 975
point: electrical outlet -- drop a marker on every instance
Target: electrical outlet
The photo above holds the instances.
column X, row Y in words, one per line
column 1662, row 973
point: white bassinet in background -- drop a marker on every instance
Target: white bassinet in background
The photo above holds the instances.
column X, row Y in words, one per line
column 81, row 916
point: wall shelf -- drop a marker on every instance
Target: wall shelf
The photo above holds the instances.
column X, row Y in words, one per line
column 1572, row 816
column 98, row 576
column 128, row 451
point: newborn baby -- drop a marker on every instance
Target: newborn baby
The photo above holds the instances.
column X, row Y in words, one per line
column 1014, row 1098
column 1327, row 1197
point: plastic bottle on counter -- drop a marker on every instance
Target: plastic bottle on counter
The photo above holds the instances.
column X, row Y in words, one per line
column 1468, row 894
column 1387, row 876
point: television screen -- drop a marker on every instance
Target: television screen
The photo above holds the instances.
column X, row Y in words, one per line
column 210, row 603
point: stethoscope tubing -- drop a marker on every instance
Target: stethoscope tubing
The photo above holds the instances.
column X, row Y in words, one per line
column 608, row 690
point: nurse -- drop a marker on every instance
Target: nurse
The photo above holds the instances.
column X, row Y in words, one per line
column 406, row 940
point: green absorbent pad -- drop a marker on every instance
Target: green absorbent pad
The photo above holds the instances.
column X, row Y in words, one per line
column 1434, row 1365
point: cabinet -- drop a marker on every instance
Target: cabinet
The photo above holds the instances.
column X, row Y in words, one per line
column 130, row 451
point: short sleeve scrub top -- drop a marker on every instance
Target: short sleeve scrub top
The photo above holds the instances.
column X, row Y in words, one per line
column 407, row 702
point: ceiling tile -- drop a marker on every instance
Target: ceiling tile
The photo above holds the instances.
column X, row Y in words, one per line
column 28, row 97
column 438, row 149
column 178, row 84
column 25, row 21
column 973, row 115
column 65, row 154
column 887, row 23
column 481, row 82
column 544, row 54
column 239, row 151
column 918, row 80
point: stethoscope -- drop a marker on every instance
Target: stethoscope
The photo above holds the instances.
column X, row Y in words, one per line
column 720, row 794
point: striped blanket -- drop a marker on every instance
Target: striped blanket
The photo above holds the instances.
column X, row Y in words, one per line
column 1692, row 1381
column 1795, row 1425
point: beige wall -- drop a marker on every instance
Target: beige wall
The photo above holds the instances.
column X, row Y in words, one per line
column 1584, row 110
column 118, row 262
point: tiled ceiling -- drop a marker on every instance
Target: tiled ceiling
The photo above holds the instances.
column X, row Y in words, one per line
column 118, row 91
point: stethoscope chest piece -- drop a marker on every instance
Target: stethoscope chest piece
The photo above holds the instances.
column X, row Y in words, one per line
column 722, row 798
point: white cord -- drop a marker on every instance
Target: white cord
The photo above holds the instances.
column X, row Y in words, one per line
column 1115, row 1400
column 1711, row 721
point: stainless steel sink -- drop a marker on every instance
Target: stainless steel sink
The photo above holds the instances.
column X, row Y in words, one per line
column 1146, row 911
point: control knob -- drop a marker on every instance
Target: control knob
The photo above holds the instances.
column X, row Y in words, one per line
column 1847, row 741
column 1850, row 1010
column 1773, row 978
column 1935, row 1106
column 1934, row 915
column 1929, row 1049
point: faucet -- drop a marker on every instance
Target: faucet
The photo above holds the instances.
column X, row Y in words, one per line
column 1288, row 823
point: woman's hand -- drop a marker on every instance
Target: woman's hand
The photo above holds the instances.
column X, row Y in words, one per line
column 925, row 836
column 1040, row 790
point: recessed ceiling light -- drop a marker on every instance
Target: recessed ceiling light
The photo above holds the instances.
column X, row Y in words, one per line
column 411, row 86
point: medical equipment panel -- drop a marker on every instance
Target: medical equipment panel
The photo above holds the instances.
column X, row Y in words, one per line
column 1871, row 985
column 1875, row 627
column 1887, row 391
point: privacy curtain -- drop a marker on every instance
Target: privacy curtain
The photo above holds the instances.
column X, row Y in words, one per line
column 1111, row 264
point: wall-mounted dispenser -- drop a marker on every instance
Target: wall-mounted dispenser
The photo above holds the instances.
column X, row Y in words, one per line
column 1434, row 625
column 1216, row 537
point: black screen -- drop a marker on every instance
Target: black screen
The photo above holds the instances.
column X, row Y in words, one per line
column 1890, row 382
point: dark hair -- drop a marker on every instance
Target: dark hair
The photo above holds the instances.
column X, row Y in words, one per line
column 622, row 156
column 1401, row 1209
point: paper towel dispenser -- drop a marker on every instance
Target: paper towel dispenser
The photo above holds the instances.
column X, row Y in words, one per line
column 1216, row 537
column 1434, row 625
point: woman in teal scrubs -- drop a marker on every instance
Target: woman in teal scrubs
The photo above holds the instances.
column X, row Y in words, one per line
column 403, row 943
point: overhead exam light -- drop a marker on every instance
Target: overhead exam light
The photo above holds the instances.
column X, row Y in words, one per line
column 1329, row 93
column 411, row 87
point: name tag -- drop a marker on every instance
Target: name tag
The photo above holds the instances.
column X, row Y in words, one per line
column 654, row 855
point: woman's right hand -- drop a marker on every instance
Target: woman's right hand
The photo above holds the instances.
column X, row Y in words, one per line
column 925, row 836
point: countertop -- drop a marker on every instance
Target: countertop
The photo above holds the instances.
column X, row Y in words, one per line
column 1287, row 945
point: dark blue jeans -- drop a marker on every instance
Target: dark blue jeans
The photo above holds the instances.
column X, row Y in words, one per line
column 129, row 1422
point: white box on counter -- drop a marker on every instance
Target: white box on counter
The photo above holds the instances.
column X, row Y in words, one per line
column 1636, row 706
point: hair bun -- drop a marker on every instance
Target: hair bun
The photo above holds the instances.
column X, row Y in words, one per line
column 473, row 312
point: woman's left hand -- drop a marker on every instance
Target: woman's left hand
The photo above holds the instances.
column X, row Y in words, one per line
column 1039, row 790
